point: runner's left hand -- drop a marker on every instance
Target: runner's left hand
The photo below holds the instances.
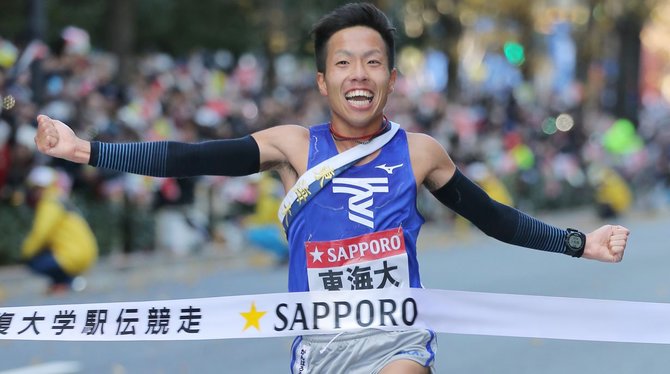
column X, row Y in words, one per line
column 606, row 244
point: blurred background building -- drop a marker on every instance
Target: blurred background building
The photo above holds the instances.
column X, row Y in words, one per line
column 556, row 101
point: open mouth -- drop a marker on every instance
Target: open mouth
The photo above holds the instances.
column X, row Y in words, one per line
column 359, row 97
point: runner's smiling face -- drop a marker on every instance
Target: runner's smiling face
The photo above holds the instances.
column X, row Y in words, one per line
column 357, row 80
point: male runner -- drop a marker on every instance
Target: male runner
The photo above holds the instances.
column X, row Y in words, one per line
column 370, row 207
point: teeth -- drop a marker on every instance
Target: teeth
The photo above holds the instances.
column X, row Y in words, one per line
column 359, row 93
column 359, row 97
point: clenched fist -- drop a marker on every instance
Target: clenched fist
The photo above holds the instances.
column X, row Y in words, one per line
column 606, row 243
column 56, row 139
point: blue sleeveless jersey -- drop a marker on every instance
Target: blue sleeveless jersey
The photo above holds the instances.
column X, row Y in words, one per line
column 360, row 230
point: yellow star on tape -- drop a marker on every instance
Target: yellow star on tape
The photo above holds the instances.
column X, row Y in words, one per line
column 253, row 317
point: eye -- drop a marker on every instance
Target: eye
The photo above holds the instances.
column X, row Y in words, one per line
column 342, row 62
column 374, row 62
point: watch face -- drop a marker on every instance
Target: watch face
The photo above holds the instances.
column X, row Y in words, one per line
column 575, row 241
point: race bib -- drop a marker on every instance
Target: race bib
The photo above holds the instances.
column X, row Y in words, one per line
column 376, row 260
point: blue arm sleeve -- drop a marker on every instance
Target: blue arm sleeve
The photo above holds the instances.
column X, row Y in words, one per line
column 230, row 157
column 497, row 220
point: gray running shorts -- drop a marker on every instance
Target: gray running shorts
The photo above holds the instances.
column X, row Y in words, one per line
column 364, row 352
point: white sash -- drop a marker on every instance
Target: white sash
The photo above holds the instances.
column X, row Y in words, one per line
column 324, row 172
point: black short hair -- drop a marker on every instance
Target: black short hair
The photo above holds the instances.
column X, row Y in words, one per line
column 350, row 15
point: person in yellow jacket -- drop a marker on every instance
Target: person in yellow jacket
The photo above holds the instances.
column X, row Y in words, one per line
column 60, row 244
column 262, row 227
column 613, row 194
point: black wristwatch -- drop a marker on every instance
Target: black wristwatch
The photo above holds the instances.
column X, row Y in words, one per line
column 574, row 243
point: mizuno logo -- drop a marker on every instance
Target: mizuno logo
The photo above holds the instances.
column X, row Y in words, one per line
column 388, row 169
column 362, row 190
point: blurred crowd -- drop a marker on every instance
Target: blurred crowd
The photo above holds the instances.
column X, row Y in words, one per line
column 527, row 148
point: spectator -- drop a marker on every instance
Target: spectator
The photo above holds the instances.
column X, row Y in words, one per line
column 262, row 228
column 60, row 244
column 612, row 193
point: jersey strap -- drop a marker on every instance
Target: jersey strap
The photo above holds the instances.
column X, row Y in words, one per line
column 314, row 179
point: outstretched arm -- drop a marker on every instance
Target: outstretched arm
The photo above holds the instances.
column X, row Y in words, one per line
column 502, row 222
column 231, row 157
column 283, row 148
column 515, row 227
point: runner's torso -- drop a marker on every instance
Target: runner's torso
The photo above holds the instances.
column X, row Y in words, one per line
column 360, row 230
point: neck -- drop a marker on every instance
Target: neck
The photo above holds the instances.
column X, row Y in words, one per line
column 361, row 139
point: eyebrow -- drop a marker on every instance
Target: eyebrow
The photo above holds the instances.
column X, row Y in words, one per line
column 366, row 54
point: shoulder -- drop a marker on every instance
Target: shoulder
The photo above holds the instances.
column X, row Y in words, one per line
column 424, row 145
column 283, row 146
column 282, row 136
column 430, row 161
column 288, row 131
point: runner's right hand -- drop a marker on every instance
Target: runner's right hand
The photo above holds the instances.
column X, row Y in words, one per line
column 54, row 138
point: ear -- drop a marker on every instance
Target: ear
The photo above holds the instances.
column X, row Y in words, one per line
column 321, row 82
column 392, row 79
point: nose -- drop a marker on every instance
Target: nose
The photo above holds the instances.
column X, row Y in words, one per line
column 359, row 72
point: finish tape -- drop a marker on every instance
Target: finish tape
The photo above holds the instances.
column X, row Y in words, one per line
column 332, row 312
